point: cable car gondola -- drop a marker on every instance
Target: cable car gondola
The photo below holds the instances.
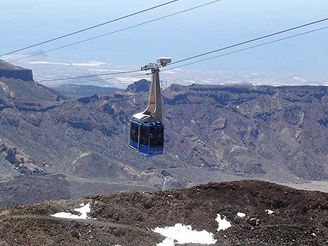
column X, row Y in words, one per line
column 146, row 128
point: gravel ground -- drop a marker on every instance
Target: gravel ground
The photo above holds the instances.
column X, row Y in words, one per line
column 298, row 218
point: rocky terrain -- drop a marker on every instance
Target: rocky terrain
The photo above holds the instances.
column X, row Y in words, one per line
column 252, row 213
column 259, row 130
column 139, row 86
column 10, row 71
column 213, row 133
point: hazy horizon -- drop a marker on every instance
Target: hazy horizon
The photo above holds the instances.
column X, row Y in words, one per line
column 212, row 27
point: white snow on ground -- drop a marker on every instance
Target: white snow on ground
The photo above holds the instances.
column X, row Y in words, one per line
column 83, row 210
column 167, row 242
column 223, row 223
column 241, row 215
column 182, row 234
column 268, row 211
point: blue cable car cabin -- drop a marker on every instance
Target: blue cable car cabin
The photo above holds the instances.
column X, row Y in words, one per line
column 147, row 138
column 146, row 129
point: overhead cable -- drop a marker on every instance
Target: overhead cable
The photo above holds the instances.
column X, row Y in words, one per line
column 250, row 41
column 116, row 31
column 215, row 51
column 249, row 48
column 88, row 76
column 88, row 28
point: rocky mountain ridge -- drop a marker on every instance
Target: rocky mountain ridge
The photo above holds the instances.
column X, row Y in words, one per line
column 212, row 133
column 8, row 70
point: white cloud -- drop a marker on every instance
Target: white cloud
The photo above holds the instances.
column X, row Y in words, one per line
column 48, row 67
column 89, row 64
column 98, row 70
column 299, row 79
column 168, row 72
column 49, row 63
column 128, row 80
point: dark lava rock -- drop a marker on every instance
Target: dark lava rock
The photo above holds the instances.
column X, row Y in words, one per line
column 8, row 70
column 129, row 218
column 139, row 86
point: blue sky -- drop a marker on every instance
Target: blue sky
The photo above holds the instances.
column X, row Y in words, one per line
column 25, row 22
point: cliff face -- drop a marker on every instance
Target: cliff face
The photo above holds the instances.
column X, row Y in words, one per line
column 8, row 70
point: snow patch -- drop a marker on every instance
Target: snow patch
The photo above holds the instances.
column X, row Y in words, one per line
column 241, row 215
column 83, row 210
column 167, row 242
column 268, row 211
column 182, row 234
column 223, row 223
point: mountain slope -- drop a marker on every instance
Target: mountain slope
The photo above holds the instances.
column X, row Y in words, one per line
column 251, row 130
column 20, row 103
column 212, row 133
column 260, row 213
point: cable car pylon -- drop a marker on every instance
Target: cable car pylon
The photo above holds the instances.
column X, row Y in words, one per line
column 146, row 128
